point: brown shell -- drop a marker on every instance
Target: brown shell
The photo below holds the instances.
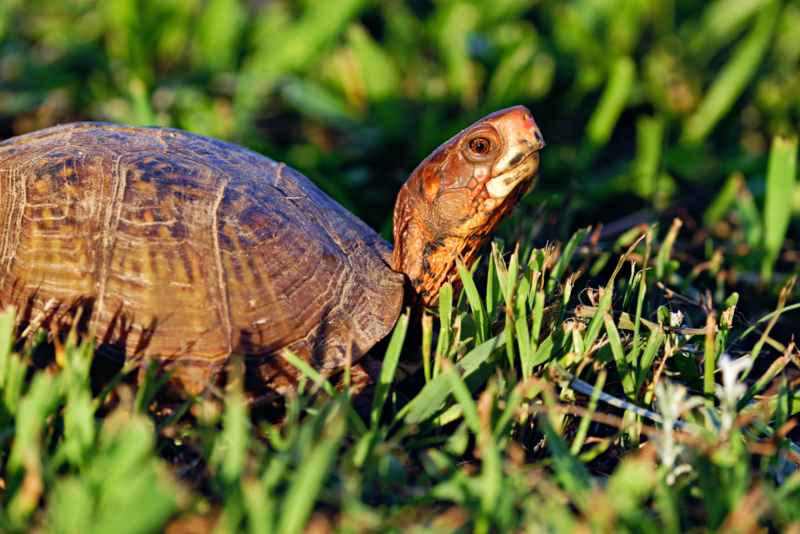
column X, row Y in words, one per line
column 187, row 249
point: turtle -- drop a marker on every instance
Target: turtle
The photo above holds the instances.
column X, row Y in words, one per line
column 181, row 249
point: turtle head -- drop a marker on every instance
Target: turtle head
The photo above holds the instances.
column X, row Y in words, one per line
column 484, row 164
column 455, row 199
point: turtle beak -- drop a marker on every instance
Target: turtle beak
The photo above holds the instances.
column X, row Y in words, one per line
column 538, row 136
column 522, row 138
column 527, row 126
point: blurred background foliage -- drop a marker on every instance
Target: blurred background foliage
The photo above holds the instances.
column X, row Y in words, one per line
column 650, row 108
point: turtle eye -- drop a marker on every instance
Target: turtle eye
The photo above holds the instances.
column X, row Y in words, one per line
column 480, row 145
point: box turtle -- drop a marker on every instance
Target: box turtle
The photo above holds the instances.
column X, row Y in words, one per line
column 185, row 249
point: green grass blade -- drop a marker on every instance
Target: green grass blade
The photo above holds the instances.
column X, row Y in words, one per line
column 565, row 298
column 12, row 389
column 501, row 271
column 260, row 509
column 654, row 343
column 493, row 291
column 550, row 348
column 733, row 78
column 6, row 339
column 722, row 22
column 313, row 375
column 763, row 320
column 306, row 482
column 781, row 178
column 538, row 311
column 463, row 396
column 726, row 314
column 427, row 339
column 521, row 322
column 478, row 311
column 521, row 392
column 389, row 368
column 309, row 372
column 381, row 77
column 578, row 346
column 218, row 32
column 566, row 257
column 477, row 365
column 628, row 384
column 724, row 200
column 513, row 275
column 632, row 282
column 785, row 292
column 773, row 370
column 646, row 168
column 491, row 466
column 751, row 219
column 445, row 326
column 583, row 427
column 236, row 428
column 516, row 321
column 597, row 323
column 612, row 101
column 781, row 416
column 666, row 249
column 569, row 470
column 640, row 300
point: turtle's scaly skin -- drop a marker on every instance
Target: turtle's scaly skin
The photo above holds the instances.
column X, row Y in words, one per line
column 455, row 199
column 185, row 248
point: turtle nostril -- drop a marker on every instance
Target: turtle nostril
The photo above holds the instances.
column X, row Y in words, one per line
column 516, row 159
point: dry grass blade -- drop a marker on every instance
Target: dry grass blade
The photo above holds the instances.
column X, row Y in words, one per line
column 776, row 367
column 709, row 361
column 785, row 292
column 626, row 322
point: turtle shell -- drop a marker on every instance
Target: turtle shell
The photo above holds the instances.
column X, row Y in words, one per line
column 186, row 250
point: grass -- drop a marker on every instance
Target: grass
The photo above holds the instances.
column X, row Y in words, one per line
column 562, row 389
column 569, row 416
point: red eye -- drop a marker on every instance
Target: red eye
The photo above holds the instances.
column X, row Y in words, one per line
column 481, row 145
